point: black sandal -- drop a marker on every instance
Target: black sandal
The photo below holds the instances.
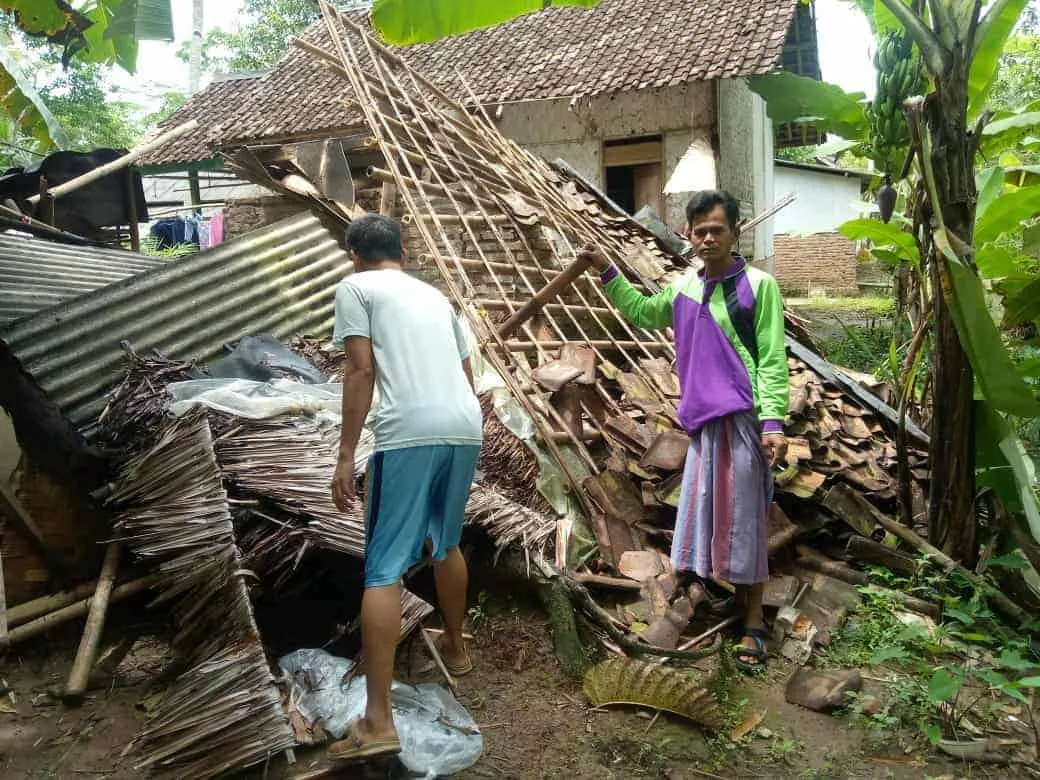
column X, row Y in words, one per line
column 758, row 652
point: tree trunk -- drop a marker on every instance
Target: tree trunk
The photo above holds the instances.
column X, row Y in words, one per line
column 951, row 520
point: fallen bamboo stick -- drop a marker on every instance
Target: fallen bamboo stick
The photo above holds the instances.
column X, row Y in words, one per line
column 432, row 647
column 88, row 646
column 29, row 610
column 79, row 609
column 120, row 162
column 431, row 188
column 534, row 346
column 1000, row 601
column 814, row 561
column 586, row 578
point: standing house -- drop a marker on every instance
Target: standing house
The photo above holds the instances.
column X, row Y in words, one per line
column 645, row 98
column 810, row 254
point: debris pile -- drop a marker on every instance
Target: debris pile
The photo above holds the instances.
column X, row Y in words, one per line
column 580, row 469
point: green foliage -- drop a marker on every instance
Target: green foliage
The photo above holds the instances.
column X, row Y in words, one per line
column 884, row 236
column 89, row 31
column 263, row 37
column 966, row 664
column 23, row 106
column 862, row 349
column 799, row 99
column 171, row 101
column 992, row 35
column 1018, row 79
column 406, row 22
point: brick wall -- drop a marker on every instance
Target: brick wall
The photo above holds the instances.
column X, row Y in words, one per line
column 241, row 215
column 825, row 262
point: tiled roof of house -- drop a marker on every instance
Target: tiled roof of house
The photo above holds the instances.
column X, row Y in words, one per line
column 561, row 52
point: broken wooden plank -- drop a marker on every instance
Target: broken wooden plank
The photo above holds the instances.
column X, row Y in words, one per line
column 864, row 550
column 852, row 508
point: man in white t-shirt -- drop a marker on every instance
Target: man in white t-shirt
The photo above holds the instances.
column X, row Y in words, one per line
column 402, row 336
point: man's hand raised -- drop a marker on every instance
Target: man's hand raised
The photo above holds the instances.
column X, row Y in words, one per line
column 594, row 256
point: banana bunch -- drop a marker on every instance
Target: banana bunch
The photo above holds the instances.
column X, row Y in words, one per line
column 899, row 75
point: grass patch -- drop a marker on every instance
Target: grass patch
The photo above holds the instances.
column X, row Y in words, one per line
column 872, row 305
column 861, row 348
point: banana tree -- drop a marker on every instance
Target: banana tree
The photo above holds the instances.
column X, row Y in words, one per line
column 103, row 31
column 959, row 43
column 405, row 22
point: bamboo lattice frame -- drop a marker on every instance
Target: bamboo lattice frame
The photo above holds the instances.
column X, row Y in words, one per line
column 436, row 150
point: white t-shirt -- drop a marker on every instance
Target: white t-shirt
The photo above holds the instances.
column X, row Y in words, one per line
column 418, row 345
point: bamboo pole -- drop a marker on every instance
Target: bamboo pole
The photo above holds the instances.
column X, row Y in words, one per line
column 121, row 162
column 30, row 610
column 79, row 609
column 88, row 646
column 376, row 120
column 561, row 282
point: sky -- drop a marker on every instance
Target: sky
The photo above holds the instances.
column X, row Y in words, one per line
column 843, row 35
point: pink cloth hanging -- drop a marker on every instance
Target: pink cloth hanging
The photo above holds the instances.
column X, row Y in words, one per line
column 216, row 228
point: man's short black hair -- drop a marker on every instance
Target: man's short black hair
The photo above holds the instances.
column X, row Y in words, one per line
column 375, row 238
column 705, row 201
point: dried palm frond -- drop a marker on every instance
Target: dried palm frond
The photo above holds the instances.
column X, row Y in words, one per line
column 225, row 712
column 290, row 462
column 685, row 692
column 140, row 402
column 509, row 523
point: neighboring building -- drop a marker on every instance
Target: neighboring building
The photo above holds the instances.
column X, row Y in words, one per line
column 810, row 255
column 645, row 98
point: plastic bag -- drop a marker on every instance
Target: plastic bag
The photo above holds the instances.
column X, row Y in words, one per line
column 438, row 736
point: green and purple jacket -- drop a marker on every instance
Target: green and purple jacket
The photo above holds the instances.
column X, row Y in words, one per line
column 729, row 341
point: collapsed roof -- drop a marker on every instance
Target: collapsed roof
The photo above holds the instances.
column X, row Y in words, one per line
column 560, row 52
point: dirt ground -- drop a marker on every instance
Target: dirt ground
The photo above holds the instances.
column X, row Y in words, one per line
column 535, row 721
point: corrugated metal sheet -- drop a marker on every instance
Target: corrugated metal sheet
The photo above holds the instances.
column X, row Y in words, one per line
column 36, row 274
column 278, row 280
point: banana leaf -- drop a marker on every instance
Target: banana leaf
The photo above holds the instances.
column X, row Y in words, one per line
column 1009, row 131
column 989, row 184
column 142, row 20
column 406, row 22
column 995, row 373
column 21, row 102
column 990, row 37
column 1006, row 213
column 1002, row 464
column 799, row 99
column 882, row 235
column 1024, row 305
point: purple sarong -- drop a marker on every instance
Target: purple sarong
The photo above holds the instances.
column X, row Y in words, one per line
column 727, row 487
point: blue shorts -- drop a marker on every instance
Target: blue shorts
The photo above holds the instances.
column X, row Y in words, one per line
column 413, row 494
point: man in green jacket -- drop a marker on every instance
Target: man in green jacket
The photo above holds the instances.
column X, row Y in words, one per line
column 728, row 321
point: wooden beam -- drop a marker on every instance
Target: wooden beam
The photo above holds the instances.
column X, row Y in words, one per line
column 559, row 283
